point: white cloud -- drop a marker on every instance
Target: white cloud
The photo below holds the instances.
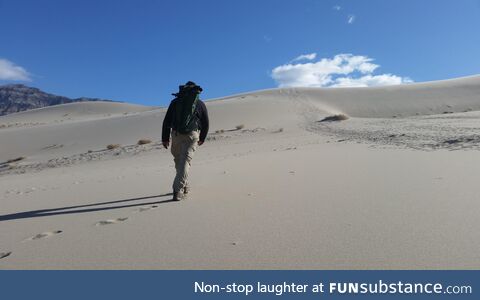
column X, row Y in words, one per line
column 337, row 7
column 350, row 19
column 310, row 56
column 370, row 80
column 10, row 71
column 343, row 70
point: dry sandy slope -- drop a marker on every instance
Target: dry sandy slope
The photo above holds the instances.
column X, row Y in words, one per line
column 93, row 127
column 312, row 195
column 71, row 111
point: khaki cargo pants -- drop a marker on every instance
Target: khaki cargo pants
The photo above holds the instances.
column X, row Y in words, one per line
column 183, row 147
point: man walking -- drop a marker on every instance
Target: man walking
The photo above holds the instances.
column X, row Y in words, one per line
column 187, row 122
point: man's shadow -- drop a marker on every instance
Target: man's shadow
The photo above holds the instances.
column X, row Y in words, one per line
column 82, row 208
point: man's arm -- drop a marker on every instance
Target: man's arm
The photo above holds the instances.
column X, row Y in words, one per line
column 204, row 124
column 167, row 124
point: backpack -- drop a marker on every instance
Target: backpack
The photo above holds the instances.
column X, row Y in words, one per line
column 185, row 119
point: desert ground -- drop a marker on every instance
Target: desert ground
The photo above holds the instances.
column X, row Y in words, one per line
column 393, row 183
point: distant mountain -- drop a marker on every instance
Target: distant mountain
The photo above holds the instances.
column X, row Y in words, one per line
column 18, row 97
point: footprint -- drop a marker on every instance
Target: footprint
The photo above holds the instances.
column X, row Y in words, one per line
column 110, row 221
column 4, row 254
column 43, row 235
column 145, row 208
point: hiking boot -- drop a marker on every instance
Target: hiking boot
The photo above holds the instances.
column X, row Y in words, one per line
column 178, row 196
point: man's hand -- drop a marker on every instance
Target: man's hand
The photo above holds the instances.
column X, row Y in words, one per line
column 166, row 144
column 200, row 143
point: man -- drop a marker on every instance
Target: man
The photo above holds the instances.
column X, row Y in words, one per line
column 187, row 121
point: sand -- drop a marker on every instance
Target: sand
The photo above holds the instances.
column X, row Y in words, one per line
column 394, row 186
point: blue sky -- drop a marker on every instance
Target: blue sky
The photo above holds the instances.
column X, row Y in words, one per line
column 139, row 51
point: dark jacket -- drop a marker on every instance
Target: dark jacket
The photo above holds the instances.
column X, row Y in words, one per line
column 200, row 112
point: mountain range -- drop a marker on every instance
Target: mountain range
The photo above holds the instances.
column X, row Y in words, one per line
column 18, row 97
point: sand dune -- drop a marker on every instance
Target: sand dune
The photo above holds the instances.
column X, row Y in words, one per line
column 385, row 188
column 272, row 109
column 437, row 97
column 71, row 112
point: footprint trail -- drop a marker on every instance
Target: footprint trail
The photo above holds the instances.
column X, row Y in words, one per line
column 44, row 235
column 110, row 221
column 146, row 208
